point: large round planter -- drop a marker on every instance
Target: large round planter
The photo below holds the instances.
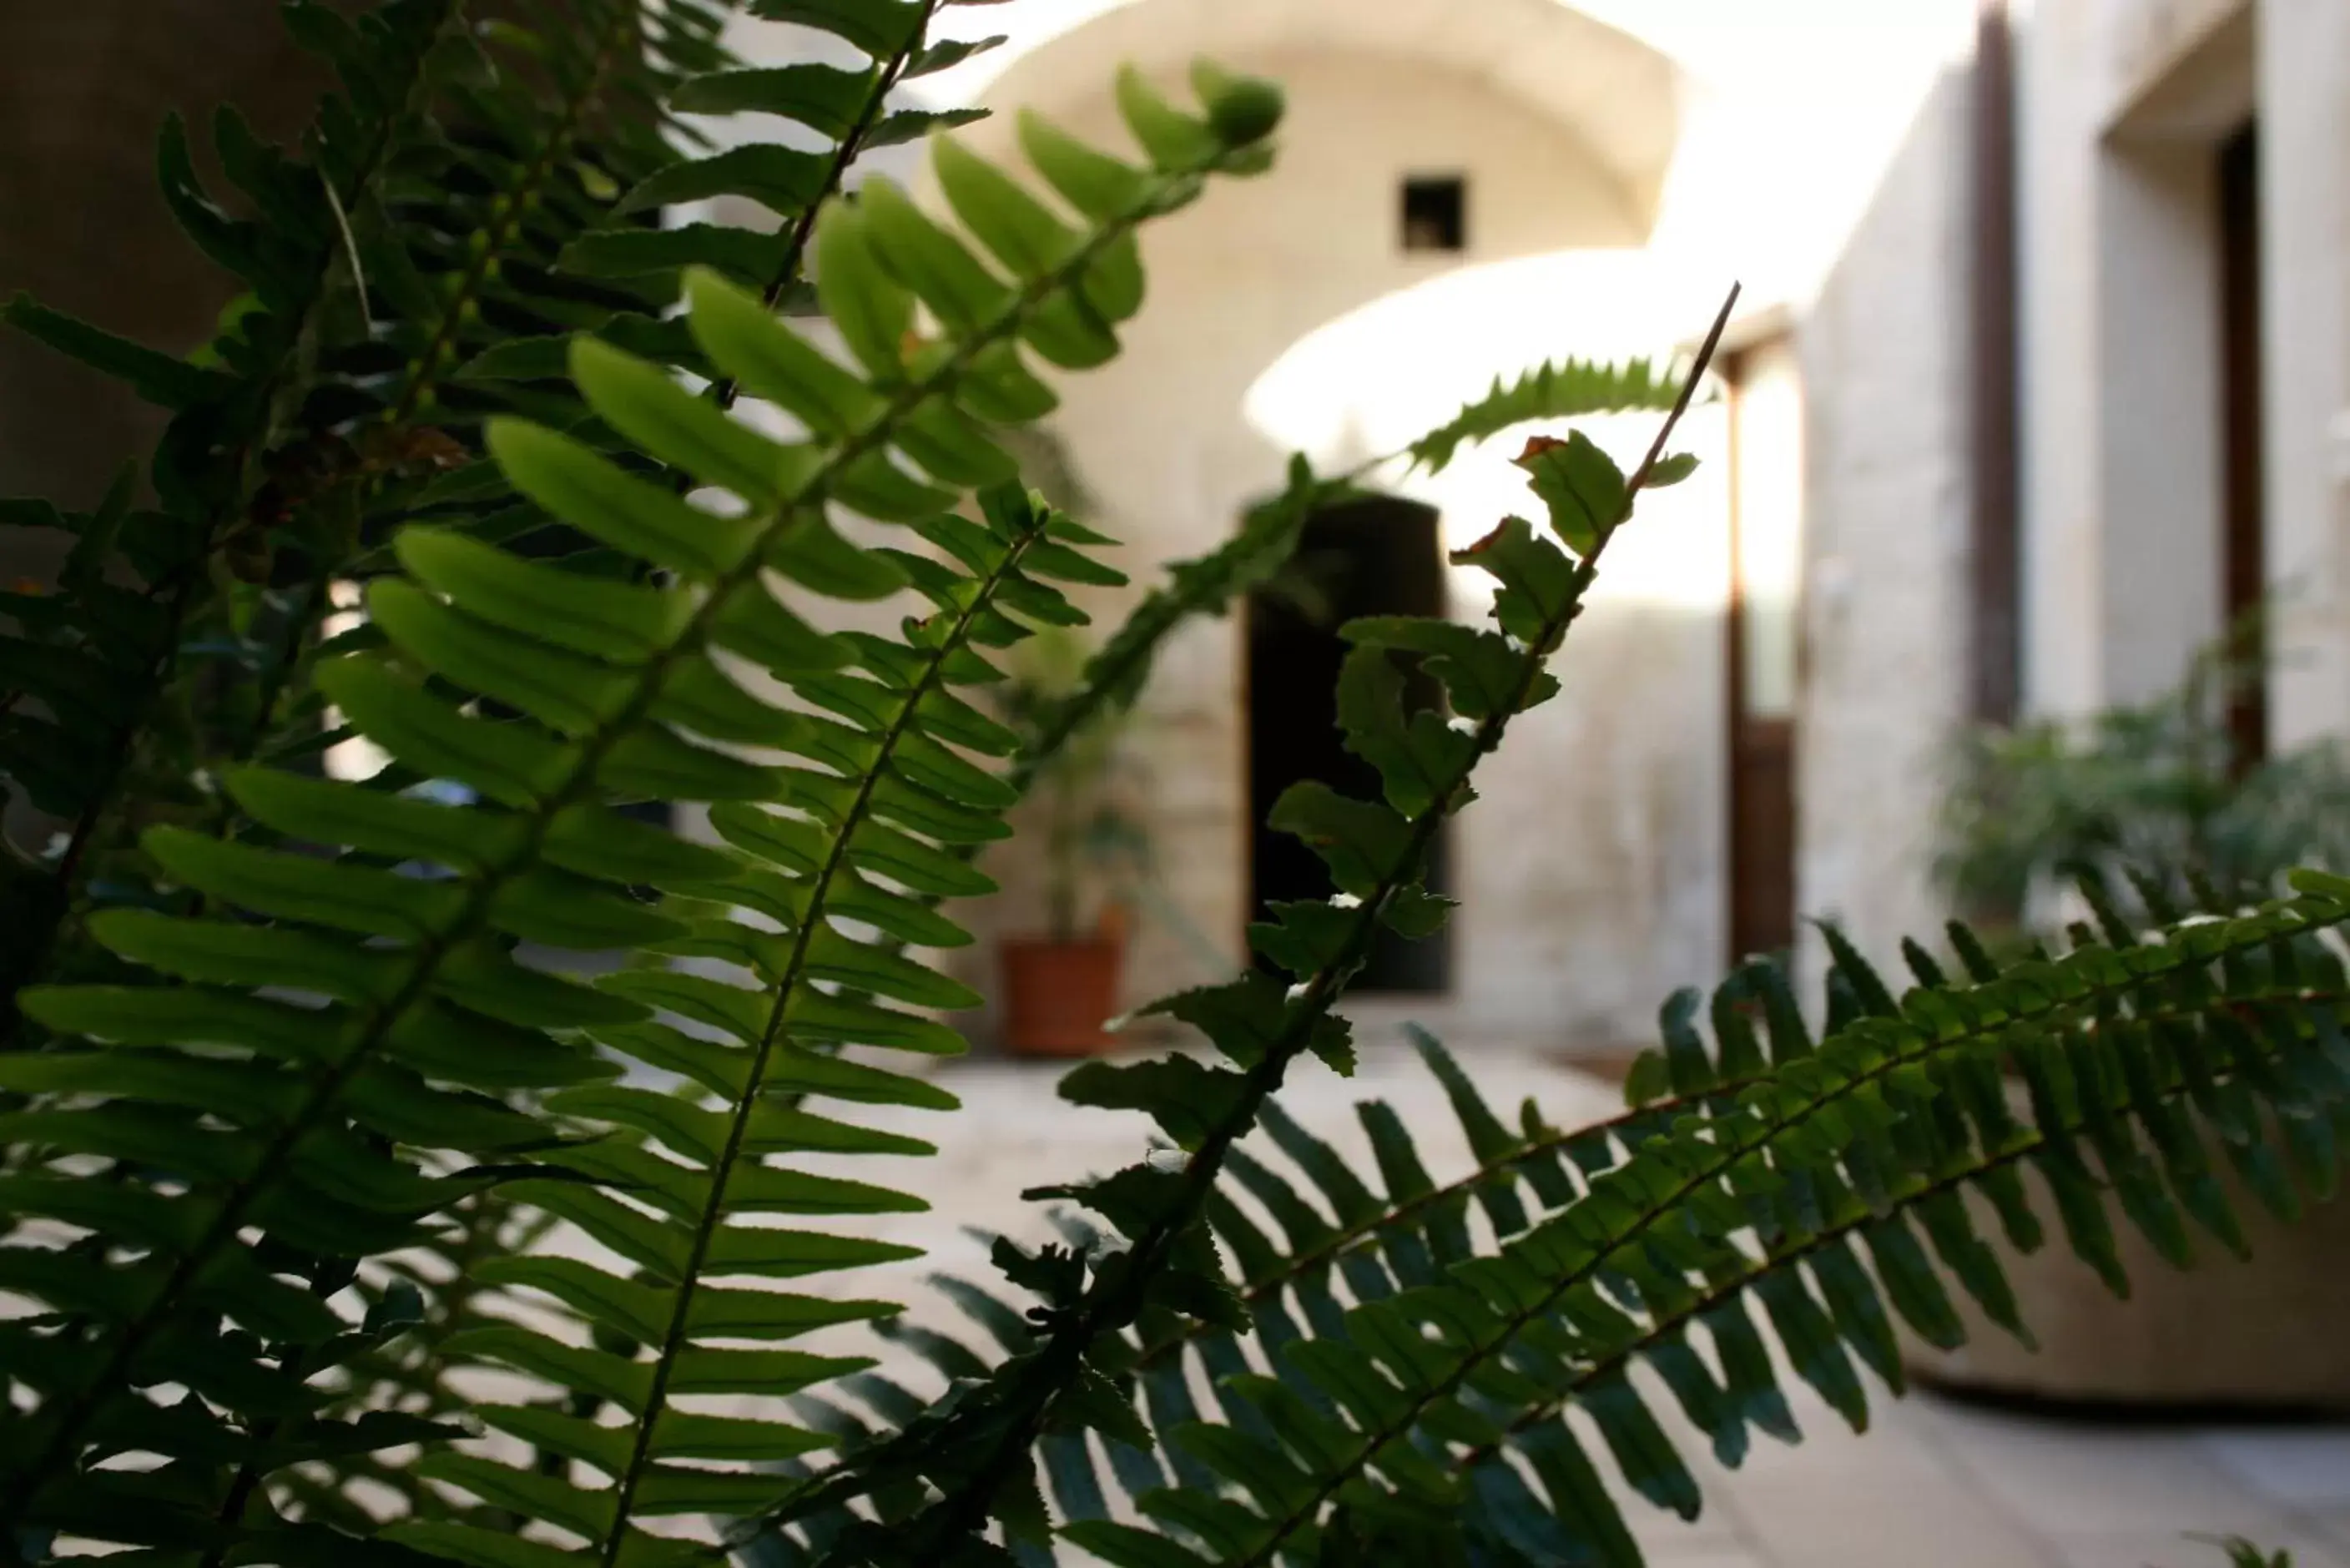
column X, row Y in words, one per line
column 2265, row 1333
column 1057, row 995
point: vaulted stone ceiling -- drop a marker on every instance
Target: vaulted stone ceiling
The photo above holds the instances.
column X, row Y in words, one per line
column 1618, row 97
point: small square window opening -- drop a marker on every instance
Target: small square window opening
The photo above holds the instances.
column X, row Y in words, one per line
column 1435, row 213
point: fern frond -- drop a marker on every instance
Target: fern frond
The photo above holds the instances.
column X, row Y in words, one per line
column 630, row 272
column 420, row 224
column 1115, row 674
column 551, row 251
column 1555, row 390
column 2243, row 1553
column 902, row 717
column 431, row 1027
column 534, row 145
column 508, row 207
column 1355, row 1242
column 850, row 106
column 976, row 1451
column 1344, row 1239
column 1431, row 1387
column 733, row 1180
column 477, row 329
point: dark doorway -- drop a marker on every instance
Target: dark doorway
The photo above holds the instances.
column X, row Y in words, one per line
column 1375, row 557
column 2243, row 563
column 1763, row 642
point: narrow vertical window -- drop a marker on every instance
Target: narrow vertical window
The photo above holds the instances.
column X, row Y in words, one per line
column 1435, row 213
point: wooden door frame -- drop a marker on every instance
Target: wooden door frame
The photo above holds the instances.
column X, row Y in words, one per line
column 1994, row 391
column 2242, row 417
column 1735, row 931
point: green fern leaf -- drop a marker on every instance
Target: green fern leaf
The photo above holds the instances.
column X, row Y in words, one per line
column 1374, row 854
column 1403, row 1363
column 1560, row 389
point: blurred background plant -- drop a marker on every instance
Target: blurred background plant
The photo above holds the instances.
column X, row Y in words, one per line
column 2242, row 1554
column 2154, row 796
column 1098, row 849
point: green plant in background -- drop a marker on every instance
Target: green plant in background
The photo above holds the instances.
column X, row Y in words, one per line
column 2154, row 790
column 1096, row 825
column 307, row 1119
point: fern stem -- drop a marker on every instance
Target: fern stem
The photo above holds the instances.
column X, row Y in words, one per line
column 1109, row 1307
column 820, row 886
column 58, row 1447
column 886, row 74
column 1666, row 1208
column 1131, row 649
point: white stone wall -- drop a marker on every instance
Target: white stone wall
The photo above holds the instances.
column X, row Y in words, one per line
column 2120, row 111
column 2121, row 108
column 2305, row 82
column 1885, row 678
column 2121, row 105
column 2057, row 106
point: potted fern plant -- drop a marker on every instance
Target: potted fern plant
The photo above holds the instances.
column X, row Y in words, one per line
column 1060, row 987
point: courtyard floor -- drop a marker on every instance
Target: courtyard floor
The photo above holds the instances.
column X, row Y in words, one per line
column 1936, row 1484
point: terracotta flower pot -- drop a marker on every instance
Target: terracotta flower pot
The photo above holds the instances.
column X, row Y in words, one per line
column 1056, row 996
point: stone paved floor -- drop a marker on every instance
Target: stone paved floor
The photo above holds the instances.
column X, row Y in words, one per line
column 1934, row 1485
